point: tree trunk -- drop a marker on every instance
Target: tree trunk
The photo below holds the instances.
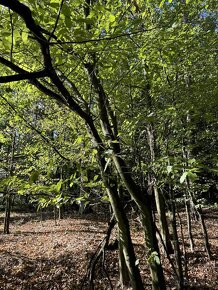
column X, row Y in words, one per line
column 60, row 212
column 124, row 229
column 55, row 214
column 7, row 213
column 158, row 281
column 161, row 210
column 192, row 201
column 176, row 241
column 8, row 194
column 189, row 224
column 204, row 231
column 124, row 275
column 159, row 198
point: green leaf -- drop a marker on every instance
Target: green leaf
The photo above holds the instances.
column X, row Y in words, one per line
column 169, row 168
column 191, row 161
column 59, row 185
column 161, row 3
column 24, row 36
column 183, row 177
column 34, row 177
column 85, row 179
column 3, row 139
column 112, row 18
column 105, row 198
column 78, row 140
column 157, row 259
column 192, row 176
column 95, row 177
column 154, row 258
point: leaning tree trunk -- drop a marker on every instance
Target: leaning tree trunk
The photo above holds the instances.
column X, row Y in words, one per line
column 123, row 226
column 108, row 129
column 124, row 275
column 158, row 281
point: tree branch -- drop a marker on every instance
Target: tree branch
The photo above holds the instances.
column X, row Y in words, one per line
column 56, row 21
column 44, row 138
column 106, row 38
column 24, row 76
column 34, row 82
column 65, row 97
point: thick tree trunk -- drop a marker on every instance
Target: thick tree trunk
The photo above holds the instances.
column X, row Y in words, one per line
column 158, row 281
column 125, row 240
column 124, row 229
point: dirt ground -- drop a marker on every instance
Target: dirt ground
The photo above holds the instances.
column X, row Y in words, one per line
column 40, row 255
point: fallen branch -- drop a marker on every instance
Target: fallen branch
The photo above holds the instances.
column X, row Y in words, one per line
column 100, row 252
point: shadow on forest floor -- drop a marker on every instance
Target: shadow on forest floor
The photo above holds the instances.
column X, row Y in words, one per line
column 21, row 272
column 22, row 217
column 44, row 256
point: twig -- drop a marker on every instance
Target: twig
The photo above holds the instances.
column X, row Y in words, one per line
column 56, row 21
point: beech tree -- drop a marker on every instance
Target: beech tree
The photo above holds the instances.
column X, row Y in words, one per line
column 130, row 73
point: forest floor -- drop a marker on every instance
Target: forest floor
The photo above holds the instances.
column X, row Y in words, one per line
column 40, row 255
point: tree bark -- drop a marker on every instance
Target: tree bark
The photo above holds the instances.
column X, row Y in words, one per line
column 158, row 281
column 8, row 193
column 180, row 275
column 159, row 198
column 123, row 226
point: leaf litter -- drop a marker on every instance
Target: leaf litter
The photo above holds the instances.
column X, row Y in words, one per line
column 38, row 255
